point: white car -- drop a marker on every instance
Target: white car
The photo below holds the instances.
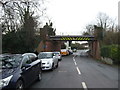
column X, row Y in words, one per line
column 49, row 60
column 74, row 50
column 64, row 52
column 59, row 56
column 84, row 53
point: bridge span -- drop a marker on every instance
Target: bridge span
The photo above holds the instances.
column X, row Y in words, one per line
column 53, row 43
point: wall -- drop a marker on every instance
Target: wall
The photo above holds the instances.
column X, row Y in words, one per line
column 95, row 49
column 49, row 46
column 40, row 47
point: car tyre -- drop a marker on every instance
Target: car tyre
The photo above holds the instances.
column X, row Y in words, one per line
column 57, row 65
column 52, row 67
column 60, row 59
column 39, row 75
column 19, row 85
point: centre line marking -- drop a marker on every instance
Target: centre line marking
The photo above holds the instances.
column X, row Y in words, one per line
column 74, row 60
column 78, row 70
column 75, row 63
column 84, row 86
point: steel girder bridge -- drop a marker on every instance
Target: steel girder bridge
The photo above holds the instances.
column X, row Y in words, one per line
column 72, row 38
column 53, row 43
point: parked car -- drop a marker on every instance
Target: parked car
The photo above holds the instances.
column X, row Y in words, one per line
column 64, row 52
column 70, row 52
column 84, row 53
column 49, row 60
column 19, row 71
column 74, row 50
column 59, row 56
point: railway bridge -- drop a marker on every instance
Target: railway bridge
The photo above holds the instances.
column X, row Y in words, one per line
column 53, row 43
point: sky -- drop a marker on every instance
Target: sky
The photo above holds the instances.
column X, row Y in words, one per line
column 70, row 17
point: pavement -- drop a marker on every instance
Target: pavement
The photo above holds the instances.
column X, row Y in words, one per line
column 75, row 71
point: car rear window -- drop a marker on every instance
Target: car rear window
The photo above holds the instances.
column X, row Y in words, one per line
column 45, row 55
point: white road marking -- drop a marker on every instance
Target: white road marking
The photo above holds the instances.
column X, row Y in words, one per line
column 75, row 63
column 74, row 60
column 78, row 70
column 84, row 86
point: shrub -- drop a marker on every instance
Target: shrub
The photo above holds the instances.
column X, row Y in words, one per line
column 111, row 51
column 105, row 51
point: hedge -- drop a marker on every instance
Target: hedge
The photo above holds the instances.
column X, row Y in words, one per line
column 111, row 51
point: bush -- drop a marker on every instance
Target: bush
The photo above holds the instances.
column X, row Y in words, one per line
column 105, row 51
column 111, row 51
column 114, row 53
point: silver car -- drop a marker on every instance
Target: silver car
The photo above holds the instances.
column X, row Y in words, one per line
column 49, row 60
column 59, row 56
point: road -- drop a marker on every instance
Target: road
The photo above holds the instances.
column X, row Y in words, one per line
column 75, row 71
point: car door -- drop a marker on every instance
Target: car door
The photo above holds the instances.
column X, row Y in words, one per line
column 35, row 66
column 55, row 59
column 57, row 55
column 27, row 71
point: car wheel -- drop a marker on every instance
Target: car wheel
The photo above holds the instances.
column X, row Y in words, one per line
column 39, row 76
column 52, row 67
column 60, row 59
column 57, row 64
column 19, row 85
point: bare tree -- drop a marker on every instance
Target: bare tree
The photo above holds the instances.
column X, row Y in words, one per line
column 19, row 22
column 90, row 29
column 13, row 12
column 103, row 20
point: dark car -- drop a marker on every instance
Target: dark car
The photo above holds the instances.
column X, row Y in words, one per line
column 19, row 71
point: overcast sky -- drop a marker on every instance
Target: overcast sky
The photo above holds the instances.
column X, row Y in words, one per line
column 71, row 16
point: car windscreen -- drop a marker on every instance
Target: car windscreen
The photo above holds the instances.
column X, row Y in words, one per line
column 9, row 61
column 45, row 55
column 64, row 50
column 56, row 53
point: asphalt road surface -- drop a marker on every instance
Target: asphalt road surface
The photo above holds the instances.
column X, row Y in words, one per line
column 77, row 71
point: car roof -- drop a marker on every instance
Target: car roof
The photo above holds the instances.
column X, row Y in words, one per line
column 28, row 54
column 46, row 52
column 63, row 50
column 56, row 52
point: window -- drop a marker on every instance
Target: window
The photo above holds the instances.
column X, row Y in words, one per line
column 26, row 60
column 45, row 55
column 32, row 57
